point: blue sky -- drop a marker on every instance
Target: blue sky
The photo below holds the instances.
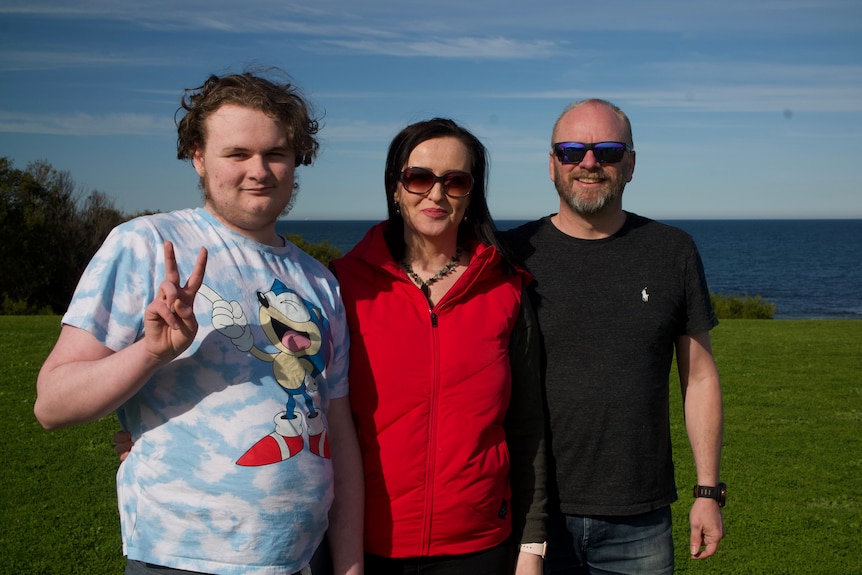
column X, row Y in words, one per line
column 741, row 109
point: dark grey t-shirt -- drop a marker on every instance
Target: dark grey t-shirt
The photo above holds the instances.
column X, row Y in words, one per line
column 610, row 311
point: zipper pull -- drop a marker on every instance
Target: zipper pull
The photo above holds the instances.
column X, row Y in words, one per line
column 433, row 319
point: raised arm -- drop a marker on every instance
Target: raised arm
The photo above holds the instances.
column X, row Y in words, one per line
column 83, row 380
column 701, row 392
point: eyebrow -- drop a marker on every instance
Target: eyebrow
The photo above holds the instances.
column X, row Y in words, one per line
column 233, row 149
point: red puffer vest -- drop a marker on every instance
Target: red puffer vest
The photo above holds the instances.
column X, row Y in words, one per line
column 429, row 391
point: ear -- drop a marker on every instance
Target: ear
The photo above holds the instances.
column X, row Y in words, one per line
column 631, row 168
column 198, row 160
column 551, row 164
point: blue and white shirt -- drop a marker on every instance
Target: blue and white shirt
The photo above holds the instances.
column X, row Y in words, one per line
column 230, row 471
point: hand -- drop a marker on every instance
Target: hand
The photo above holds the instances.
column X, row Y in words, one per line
column 123, row 444
column 707, row 527
column 528, row 564
column 169, row 321
column 230, row 321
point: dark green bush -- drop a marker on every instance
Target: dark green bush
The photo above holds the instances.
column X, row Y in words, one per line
column 324, row 252
column 742, row 306
column 8, row 306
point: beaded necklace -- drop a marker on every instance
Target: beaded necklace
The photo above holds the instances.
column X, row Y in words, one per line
column 425, row 285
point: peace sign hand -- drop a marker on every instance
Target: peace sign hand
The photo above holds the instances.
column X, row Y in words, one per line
column 170, row 325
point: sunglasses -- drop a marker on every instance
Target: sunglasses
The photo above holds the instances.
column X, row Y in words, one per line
column 456, row 184
column 605, row 152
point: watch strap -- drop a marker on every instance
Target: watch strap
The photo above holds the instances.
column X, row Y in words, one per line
column 719, row 492
column 535, row 548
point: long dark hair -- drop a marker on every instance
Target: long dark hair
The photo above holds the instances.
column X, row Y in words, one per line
column 477, row 224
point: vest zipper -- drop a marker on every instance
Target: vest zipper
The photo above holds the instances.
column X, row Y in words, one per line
column 431, row 464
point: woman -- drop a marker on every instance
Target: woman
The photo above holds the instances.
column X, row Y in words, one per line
column 443, row 370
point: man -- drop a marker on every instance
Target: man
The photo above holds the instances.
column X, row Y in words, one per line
column 232, row 385
column 615, row 294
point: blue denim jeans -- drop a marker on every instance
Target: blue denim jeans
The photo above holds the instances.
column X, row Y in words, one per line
column 635, row 545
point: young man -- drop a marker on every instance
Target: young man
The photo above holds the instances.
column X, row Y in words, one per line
column 233, row 384
column 615, row 294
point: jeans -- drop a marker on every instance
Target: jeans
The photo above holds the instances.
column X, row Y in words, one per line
column 498, row 560
column 635, row 545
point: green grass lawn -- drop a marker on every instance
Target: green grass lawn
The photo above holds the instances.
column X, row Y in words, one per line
column 792, row 458
column 792, row 454
column 59, row 503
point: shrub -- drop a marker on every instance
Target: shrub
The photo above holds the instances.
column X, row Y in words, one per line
column 324, row 252
column 8, row 306
column 742, row 307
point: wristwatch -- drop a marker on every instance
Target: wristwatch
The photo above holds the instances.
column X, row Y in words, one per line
column 719, row 492
column 535, row 548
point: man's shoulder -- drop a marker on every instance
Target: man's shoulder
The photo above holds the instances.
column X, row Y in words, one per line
column 524, row 230
column 519, row 240
column 642, row 225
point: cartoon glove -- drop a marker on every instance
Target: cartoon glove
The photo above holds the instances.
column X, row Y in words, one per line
column 230, row 321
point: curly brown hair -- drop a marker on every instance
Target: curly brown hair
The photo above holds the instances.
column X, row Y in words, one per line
column 281, row 101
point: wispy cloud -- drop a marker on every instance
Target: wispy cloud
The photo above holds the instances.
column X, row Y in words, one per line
column 17, row 60
column 80, row 124
column 472, row 48
column 832, row 92
column 359, row 131
column 732, row 70
column 722, row 85
column 493, row 14
column 447, row 28
column 755, row 98
column 719, row 98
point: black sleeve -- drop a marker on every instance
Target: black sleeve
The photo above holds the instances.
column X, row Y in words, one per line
column 525, row 430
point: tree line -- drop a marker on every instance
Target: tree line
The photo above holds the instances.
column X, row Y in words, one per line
column 49, row 229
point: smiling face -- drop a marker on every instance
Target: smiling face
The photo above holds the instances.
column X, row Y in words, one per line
column 288, row 323
column 589, row 186
column 247, row 170
column 434, row 216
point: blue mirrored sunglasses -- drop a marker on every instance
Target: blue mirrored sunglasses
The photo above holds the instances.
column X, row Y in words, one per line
column 605, row 152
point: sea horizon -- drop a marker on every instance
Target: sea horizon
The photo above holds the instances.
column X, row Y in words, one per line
column 809, row 267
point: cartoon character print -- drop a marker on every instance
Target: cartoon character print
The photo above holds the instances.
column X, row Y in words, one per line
column 297, row 330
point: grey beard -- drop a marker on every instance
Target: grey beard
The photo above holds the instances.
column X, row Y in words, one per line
column 588, row 207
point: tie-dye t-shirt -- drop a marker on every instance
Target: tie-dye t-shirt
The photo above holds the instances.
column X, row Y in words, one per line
column 230, row 471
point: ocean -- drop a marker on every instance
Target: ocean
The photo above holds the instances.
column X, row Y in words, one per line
column 808, row 268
